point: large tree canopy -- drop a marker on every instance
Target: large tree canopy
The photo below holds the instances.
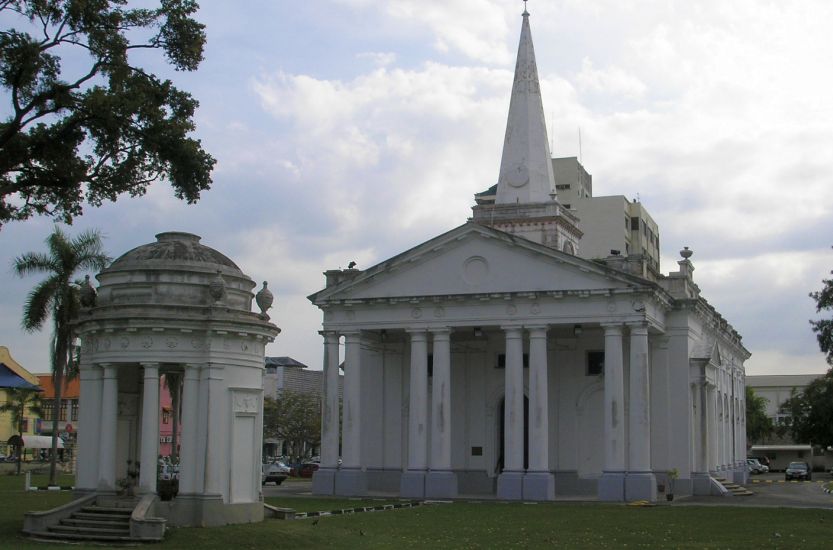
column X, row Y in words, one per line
column 824, row 327
column 294, row 417
column 811, row 412
column 71, row 135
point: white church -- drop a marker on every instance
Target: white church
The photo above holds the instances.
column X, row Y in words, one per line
column 535, row 351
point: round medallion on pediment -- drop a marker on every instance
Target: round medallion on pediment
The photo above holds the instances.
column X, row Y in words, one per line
column 172, row 342
column 439, row 312
column 476, row 270
column 535, row 308
column 147, row 342
column 416, row 313
column 124, row 343
column 511, row 309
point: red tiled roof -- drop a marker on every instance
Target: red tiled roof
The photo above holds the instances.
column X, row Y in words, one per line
column 71, row 389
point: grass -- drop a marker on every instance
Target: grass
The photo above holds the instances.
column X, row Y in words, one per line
column 471, row 525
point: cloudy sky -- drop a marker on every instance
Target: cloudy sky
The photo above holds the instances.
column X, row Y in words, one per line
column 355, row 129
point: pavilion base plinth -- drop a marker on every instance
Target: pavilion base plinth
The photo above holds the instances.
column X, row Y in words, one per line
column 324, row 481
column 440, row 484
column 612, row 487
column 412, row 484
column 539, row 486
column 640, row 486
column 350, row 482
column 510, row 486
column 701, row 483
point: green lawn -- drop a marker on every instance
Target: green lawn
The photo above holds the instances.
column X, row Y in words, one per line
column 470, row 525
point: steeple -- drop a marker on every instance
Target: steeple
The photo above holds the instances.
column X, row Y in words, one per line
column 526, row 174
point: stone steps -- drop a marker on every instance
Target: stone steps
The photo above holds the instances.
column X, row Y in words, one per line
column 734, row 488
column 94, row 523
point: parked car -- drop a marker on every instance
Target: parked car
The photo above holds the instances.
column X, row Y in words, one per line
column 275, row 473
column 756, row 467
column 307, row 469
column 798, row 470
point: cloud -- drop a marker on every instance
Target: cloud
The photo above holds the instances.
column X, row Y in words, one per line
column 380, row 59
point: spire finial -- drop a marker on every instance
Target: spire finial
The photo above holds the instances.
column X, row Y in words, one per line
column 525, row 13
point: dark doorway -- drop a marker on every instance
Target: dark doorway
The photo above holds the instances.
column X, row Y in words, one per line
column 501, row 460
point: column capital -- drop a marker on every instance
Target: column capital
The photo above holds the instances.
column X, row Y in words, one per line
column 441, row 333
column 108, row 370
column 352, row 335
column 512, row 331
column 329, row 335
column 537, row 331
column 638, row 327
column 612, row 328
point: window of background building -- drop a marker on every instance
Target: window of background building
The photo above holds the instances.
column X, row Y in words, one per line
column 74, row 411
column 63, row 412
column 47, row 409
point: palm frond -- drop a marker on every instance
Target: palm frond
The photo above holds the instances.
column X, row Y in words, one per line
column 38, row 304
column 32, row 262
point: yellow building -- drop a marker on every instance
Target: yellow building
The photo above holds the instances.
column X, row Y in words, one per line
column 11, row 370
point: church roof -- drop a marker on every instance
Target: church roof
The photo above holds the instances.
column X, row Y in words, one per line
column 526, row 173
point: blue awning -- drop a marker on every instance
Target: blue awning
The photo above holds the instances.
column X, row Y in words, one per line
column 10, row 379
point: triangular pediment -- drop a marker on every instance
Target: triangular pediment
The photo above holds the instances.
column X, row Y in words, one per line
column 474, row 259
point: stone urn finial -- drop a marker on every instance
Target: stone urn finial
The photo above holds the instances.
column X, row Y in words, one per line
column 87, row 293
column 686, row 253
column 264, row 299
column 217, row 287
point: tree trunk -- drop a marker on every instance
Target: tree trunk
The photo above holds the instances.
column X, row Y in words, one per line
column 58, row 381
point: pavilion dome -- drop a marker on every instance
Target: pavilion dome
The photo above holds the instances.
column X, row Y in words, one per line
column 176, row 270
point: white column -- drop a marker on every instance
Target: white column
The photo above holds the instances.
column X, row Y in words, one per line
column 513, row 446
column 612, row 483
column 109, row 427
column 216, row 454
column 701, row 393
column 538, row 401
column 418, row 407
column 150, row 428
column 614, row 400
column 441, row 402
column 640, row 483
column 190, row 413
column 352, row 428
column 639, row 418
column 330, row 405
column 712, row 432
column 89, row 416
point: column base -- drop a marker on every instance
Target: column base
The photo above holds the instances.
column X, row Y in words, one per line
column 324, row 481
column 701, row 483
column 412, row 484
column 350, row 483
column 510, row 486
column 440, row 484
column 539, row 486
column 611, row 487
column 640, row 486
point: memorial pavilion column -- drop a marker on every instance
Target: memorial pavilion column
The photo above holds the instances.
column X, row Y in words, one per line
column 640, row 483
column 510, row 481
column 412, row 482
column 150, row 428
column 539, row 483
column 217, row 429
column 441, row 482
column 109, row 427
column 611, row 484
column 323, row 480
column 89, row 416
column 190, row 436
column 351, row 480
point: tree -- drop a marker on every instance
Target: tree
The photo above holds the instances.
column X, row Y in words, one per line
column 824, row 327
column 811, row 412
column 758, row 424
column 294, row 417
column 113, row 127
column 18, row 401
column 56, row 297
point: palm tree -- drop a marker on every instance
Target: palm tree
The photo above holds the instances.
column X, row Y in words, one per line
column 18, row 400
column 57, row 297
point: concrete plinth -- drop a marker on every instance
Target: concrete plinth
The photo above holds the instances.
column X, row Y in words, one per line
column 612, row 487
column 324, row 481
column 701, row 483
column 350, row 483
column 440, row 484
column 539, row 486
column 412, row 484
column 641, row 486
column 510, row 486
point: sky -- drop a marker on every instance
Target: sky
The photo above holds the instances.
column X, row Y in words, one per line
column 352, row 130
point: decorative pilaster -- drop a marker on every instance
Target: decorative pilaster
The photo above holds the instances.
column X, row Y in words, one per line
column 539, row 483
column 441, row 482
column 109, row 427
column 351, row 480
column 612, row 483
column 150, row 428
column 640, row 483
column 323, row 481
column 216, row 453
column 510, row 481
column 412, row 482
column 89, row 416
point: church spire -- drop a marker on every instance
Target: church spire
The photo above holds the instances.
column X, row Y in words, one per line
column 526, row 174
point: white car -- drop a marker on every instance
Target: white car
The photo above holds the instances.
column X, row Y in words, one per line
column 275, row 472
